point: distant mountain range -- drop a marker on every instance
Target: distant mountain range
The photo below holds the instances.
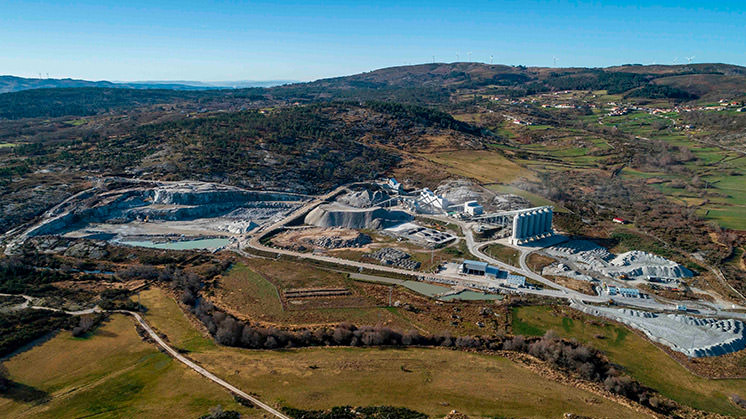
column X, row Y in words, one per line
column 15, row 84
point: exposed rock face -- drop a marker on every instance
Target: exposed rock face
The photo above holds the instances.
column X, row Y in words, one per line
column 394, row 257
column 171, row 202
column 336, row 215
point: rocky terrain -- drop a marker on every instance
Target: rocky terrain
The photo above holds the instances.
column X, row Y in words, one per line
column 394, row 257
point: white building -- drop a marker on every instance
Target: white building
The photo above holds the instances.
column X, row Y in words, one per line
column 428, row 197
column 473, row 208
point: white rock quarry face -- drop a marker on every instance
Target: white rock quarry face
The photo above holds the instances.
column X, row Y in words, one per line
column 692, row 336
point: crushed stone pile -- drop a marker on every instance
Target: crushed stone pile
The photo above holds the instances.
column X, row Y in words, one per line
column 693, row 336
column 586, row 254
column 559, row 269
column 394, row 257
column 641, row 265
column 337, row 242
column 337, row 215
column 363, row 199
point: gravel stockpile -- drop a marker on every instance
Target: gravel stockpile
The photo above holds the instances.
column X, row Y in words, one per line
column 394, row 257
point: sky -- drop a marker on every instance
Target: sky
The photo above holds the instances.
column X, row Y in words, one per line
column 129, row 40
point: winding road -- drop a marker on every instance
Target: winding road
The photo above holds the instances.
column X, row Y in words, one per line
column 160, row 342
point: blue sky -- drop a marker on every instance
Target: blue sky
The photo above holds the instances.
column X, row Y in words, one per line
column 261, row 40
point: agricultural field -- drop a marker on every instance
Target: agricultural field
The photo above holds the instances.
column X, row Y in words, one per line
column 112, row 373
column 643, row 360
column 252, row 291
column 484, row 166
column 433, row 381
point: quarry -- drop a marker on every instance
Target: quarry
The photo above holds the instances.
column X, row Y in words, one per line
column 383, row 224
column 154, row 213
column 693, row 336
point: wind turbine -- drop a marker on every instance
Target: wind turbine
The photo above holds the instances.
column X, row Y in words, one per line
column 469, row 55
column 554, row 60
column 675, row 60
column 689, row 59
column 491, row 57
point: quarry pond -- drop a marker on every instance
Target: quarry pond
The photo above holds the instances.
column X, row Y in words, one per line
column 194, row 244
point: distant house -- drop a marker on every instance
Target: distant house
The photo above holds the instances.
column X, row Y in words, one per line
column 619, row 220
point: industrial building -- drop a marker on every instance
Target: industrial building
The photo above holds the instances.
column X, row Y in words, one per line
column 516, row 280
column 472, row 267
column 428, row 197
column 532, row 224
column 624, row 292
column 473, row 208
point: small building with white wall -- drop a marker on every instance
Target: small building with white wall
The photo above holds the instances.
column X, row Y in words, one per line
column 473, row 208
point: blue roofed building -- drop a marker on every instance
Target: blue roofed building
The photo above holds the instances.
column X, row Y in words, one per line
column 473, row 267
column 516, row 280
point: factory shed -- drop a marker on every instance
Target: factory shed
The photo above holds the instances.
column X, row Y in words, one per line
column 473, row 267
column 492, row 271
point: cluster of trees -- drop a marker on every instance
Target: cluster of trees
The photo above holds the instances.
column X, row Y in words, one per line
column 5, row 382
column 424, row 116
column 660, row 91
column 588, row 363
column 18, row 328
column 83, row 101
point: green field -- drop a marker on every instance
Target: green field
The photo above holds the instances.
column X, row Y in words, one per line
column 110, row 374
column 484, row 166
column 640, row 358
column 433, row 381
column 502, row 253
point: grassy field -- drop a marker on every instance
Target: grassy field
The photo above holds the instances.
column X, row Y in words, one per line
column 502, row 253
column 251, row 291
column 111, row 374
column 640, row 358
column 432, row 381
column 484, row 166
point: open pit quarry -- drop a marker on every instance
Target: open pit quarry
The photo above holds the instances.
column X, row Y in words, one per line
column 138, row 212
column 693, row 336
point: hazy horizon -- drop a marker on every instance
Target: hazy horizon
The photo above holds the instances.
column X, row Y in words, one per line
column 303, row 41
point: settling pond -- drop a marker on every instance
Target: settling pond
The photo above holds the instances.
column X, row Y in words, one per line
column 196, row 244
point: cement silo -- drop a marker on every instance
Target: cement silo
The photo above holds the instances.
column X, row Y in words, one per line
column 549, row 223
column 517, row 227
column 531, row 224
